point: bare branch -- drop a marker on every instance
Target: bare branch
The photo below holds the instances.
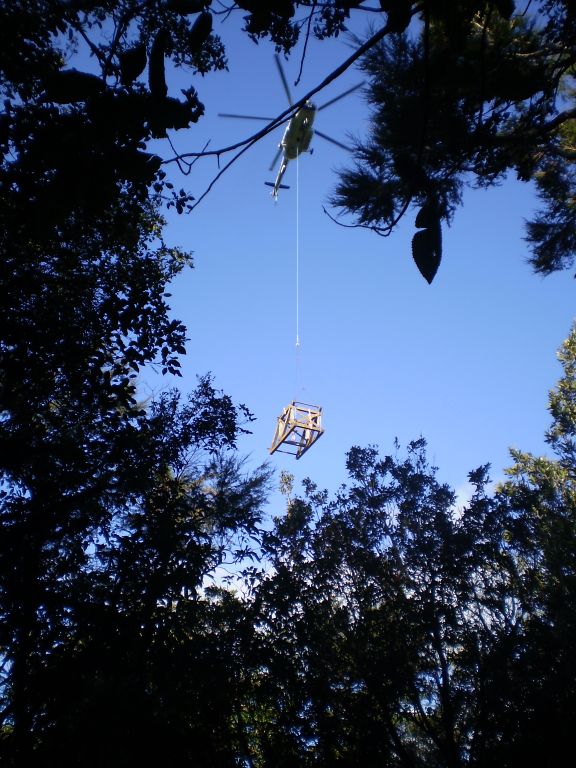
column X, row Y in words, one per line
column 382, row 231
column 310, row 17
column 94, row 48
column 221, row 172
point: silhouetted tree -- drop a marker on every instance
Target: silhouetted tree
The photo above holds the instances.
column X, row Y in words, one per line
column 542, row 509
column 98, row 535
column 471, row 92
column 398, row 627
column 388, row 628
column 114, row 649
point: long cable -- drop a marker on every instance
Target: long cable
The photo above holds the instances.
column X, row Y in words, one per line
column 297, row 250
column 297, row 271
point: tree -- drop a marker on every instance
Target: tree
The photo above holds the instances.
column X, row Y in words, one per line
column 396, row 627
column 371, row 606
column 115, row 516
column 84, row 274
column 108, row 623
column 540, row 493
column 478, row 91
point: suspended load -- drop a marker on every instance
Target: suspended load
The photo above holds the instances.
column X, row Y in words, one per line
column 299, row 426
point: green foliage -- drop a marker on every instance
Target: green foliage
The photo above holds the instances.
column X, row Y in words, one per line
column 552, row 234
column 562, row 405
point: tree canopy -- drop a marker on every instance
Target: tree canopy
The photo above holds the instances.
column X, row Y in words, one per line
column 471, row 92
column 147, row 614
column 462, row 94
column 400, row 626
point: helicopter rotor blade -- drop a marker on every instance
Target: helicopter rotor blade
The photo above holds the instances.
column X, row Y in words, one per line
column 276, row 156
column 341, row 96
column 283, row 78
column 333, row 141
column 245, row 117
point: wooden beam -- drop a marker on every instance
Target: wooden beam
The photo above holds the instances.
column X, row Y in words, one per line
column 299, row 426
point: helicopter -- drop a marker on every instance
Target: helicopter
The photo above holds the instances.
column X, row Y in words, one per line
column 298, row 133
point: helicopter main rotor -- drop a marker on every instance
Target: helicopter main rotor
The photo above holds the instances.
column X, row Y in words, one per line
column 283, row 78
column 286, row 87
column 299, row 129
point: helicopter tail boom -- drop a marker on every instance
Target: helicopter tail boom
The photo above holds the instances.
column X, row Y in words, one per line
column 275, row 188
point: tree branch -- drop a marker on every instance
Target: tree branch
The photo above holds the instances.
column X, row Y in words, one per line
column 306, row 39
column 538, row 131
column 283, row 117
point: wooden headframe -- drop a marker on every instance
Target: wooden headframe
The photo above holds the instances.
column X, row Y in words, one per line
column 299, row 426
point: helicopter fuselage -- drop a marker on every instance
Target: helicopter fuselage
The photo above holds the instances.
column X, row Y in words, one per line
column 296, row 139
column 299, row 131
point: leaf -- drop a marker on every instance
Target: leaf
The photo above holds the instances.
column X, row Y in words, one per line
column 200, row 32
column 426, row 216
column 68, row 86
column 505, row 8
column 132, row 63
column 427, row 250
column 156, row 73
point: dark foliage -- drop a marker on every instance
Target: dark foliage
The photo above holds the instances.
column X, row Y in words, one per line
column 114, row 646
column 397, row 627
column 114, row 514
column 472, row 92
column 145, row 617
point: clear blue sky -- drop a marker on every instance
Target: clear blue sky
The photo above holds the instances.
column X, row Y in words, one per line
column 466, row 362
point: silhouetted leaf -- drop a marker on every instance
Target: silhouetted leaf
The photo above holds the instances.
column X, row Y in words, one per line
column 132, row 63
column 427, row 251
column 156, row 74
column 200, row 32
column 186, row 7
column 427, row 216
column 69, row 85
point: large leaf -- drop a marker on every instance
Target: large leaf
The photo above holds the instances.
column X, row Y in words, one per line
column 427, row 216
column 69, row 85
column 427, row 250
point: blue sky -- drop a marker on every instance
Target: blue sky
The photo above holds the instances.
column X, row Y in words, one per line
column 466, row 362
